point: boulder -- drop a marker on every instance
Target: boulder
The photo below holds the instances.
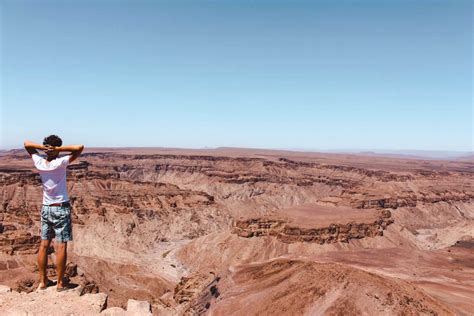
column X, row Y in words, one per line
column 138, row 308
column 97, row 302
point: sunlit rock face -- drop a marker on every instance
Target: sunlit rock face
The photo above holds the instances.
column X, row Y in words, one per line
column 202, row 231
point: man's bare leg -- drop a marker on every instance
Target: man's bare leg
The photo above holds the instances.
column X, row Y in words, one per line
column 61, row 257
column 43, row 262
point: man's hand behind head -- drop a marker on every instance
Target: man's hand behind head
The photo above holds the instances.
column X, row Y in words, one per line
column 51, row 150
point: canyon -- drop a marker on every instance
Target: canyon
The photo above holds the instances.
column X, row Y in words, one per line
column 234, row 231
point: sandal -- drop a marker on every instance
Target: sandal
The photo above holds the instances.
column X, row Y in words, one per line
column 49, row 283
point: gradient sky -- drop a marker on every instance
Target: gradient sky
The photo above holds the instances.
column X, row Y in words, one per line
column 268, row 74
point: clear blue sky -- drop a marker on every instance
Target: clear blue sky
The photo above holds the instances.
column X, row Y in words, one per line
column 269, row 74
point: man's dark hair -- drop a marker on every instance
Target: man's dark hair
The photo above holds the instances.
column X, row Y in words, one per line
column 52, row 140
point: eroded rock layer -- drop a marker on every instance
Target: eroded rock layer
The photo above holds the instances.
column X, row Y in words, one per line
column 325, row 235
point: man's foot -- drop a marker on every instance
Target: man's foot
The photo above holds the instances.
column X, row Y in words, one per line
column 63, row 288
column 44, row 285
column 64, row 285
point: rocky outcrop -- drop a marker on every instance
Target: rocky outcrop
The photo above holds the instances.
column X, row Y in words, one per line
column 46, row 302
column 70, row 302
column 196, row 292
column 288, row 233
column 190, row 287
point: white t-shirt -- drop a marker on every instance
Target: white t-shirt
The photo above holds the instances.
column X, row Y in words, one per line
column 53, row 176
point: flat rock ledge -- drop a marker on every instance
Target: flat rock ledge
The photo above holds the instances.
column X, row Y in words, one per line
column 70, row 302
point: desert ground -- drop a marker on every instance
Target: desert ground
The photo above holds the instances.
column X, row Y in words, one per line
column 252, row 232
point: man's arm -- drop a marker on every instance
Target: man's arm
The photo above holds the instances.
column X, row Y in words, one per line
column 32, row 148
column 75, row 150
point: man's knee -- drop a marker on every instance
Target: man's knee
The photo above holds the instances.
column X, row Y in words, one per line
column 44, row 244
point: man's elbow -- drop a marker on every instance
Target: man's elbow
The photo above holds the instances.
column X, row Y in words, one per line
column 78, row 150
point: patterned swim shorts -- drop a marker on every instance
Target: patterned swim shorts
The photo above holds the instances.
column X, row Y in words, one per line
column 56, row 221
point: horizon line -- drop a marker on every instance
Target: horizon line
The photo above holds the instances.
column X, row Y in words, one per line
column 421, row 153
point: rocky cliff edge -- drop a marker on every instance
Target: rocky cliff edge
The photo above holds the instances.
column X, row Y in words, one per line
column 70, row 302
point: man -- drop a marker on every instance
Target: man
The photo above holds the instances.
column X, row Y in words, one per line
column 56, row 210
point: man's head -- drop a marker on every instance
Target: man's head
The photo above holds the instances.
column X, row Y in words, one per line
column 54, row 141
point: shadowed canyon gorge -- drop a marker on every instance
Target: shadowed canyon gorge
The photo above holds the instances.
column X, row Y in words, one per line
column 254, row 232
